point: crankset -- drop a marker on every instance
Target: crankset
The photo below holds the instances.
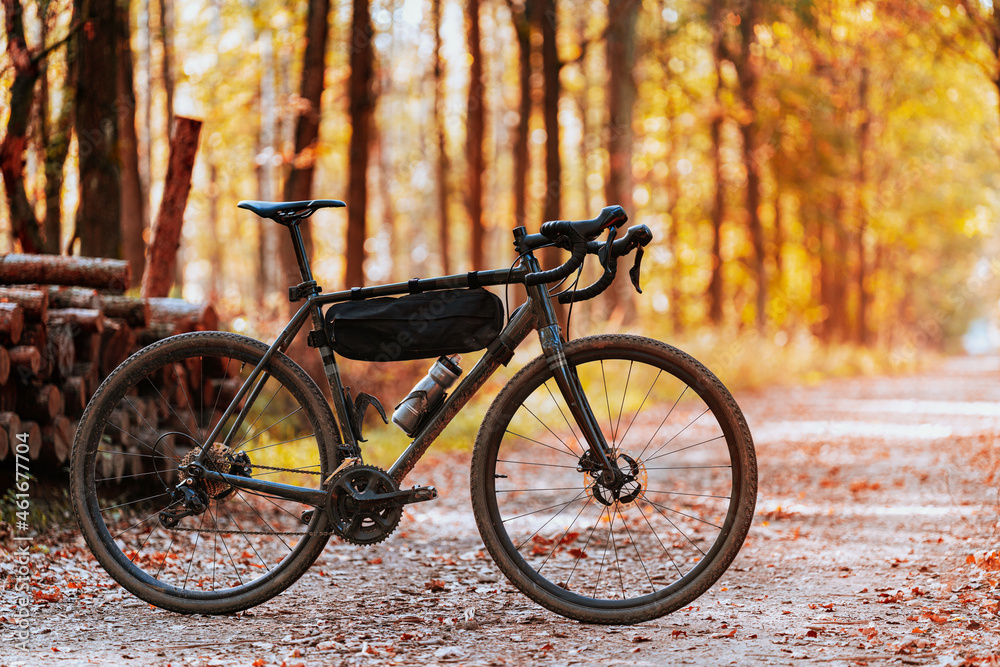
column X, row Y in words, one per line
column 365, row 504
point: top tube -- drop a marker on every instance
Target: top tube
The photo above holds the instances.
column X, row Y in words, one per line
column 471, row 279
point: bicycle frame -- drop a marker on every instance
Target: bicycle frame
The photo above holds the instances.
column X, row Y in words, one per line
column 535, row 314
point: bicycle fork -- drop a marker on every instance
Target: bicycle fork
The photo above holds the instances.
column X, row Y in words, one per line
column 553, row 347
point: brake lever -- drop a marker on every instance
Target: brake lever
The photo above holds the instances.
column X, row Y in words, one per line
column 604, row 254
column 633, row 273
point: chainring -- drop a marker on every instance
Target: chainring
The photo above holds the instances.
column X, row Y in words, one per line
column 359, row 525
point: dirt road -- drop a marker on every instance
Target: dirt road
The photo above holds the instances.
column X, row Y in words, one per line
column 873, row 494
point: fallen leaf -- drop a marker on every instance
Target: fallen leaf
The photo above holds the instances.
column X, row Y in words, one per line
column 435, row 585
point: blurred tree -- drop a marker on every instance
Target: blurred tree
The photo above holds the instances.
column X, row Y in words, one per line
column 362, row 107
column 521, row 15
column 552, row 205
column 298, row 184
column 620, row 56
column 441, row 169
column 98, row 219
column 132, row 198
column 475, row 132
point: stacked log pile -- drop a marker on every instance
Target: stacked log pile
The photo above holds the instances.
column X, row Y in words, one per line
column 65, row 324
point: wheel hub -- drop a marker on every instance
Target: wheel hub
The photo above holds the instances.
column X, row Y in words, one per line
column 628, row 485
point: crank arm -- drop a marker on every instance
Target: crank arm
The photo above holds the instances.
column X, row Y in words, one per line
column 417, row 494
column 314, row 497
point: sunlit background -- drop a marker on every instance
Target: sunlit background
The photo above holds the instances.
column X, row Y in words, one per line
column 872, row 128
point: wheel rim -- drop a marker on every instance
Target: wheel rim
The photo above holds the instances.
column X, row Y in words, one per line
column 152, row 423
column 604, row 547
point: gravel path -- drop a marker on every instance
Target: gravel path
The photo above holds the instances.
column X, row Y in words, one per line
column 874, row 494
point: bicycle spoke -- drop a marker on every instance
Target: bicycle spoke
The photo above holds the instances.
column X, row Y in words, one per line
column 703, row 442
column 565, row 533
column 653, row 456
column 669, row 412
column 132, row 503
column 555, row 449
column 657, row 536
column 639, row 556
column 551, row 518
column 193, row 551
column 187, row 400
column 262, row 381
column 559, row 408
column 529, row 463
column 621, row 408
column 670, row 509
column 568, row 448
column 267, row 429
column 301, row 437
column 519, row 516
column 648, row 391
column 562, row 488
column 668, row 520
column 169, row 407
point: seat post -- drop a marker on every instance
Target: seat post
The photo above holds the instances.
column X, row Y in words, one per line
column 300, row 251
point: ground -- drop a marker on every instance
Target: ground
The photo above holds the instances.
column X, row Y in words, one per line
column 875, row 493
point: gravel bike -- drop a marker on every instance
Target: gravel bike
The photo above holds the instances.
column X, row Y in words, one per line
column 613, row 478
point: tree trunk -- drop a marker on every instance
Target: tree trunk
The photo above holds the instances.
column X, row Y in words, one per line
column 98, row 217
column 522, row 28
column 444, row 225
column 266, row 257
column 166, row 236
column 864, row 141
column 475, row 129
column 56, row 152
column 24, row 224
column 361, row 109
column 299, row 184
column 715, row 285
column 622, row 18
column 132, row 201
column 167, row 64
column 551, row 209
column 746, row 73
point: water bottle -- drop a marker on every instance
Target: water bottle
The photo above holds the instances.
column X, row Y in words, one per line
column 427, row 393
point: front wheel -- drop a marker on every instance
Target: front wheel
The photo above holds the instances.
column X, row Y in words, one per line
column 647, row 545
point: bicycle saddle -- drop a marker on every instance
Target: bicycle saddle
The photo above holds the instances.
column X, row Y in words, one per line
column 279, row 211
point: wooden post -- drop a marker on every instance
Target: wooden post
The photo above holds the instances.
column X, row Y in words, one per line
column 162, row 254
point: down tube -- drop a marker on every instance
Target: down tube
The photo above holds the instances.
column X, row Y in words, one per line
column 522, row 323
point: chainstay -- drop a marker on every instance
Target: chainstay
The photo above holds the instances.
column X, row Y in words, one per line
column 260, row 532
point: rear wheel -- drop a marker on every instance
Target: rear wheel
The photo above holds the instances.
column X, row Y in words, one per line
column 147, row 419
column 647, row 545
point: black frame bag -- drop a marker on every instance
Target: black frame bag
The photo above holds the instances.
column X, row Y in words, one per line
column 417, row 326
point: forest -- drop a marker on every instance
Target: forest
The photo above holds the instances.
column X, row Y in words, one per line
column 821, row 169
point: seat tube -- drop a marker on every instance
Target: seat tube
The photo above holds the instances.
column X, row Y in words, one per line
column 553, row 347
